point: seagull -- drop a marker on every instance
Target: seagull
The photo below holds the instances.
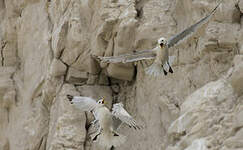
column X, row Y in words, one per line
column 107, row 122
column 160, row 53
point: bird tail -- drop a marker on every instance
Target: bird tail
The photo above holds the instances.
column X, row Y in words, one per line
column 113, row 139
column 155, row 69
column 70, row 97
column 171, row 60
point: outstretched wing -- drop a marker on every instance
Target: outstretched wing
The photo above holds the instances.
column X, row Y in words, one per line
column 121, row 115
column 189, row 31
column 127, row 58
column 82, row 103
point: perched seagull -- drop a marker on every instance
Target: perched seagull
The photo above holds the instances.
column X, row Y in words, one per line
column 160, row 54
column 107, row 122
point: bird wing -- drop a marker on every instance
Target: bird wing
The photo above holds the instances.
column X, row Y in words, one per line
column 94, row 129
column 189, row 31
column 123, row 116
column 116, row 123
column 83, row 103
column 127, row 58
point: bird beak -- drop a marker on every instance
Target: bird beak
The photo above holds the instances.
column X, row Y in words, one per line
column 104, row 102
column 161, row 44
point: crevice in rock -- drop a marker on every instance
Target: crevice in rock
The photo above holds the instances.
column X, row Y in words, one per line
column 192, row 84
column 235, row 130
column 38, row 90
column 4, row 43
column 139, row 13
column 76, row 59
column 2, row 62
column 161, row 121
column 4, row 4
column 65, row 75
column 139, row 8
column 14, row 83
column 174, row 19
column 39, row 146
column 61, row 53
column 65, row 10
column 237, row 14
column 7, row 114
column 135, row 73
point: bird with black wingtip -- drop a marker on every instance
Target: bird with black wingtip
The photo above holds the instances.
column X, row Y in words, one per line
column 160, row 54
column 108, row 122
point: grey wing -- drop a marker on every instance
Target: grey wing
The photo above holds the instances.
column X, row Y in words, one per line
column 127, row 58
column 116, row 123
column 189, row 31
column 83, row 103
column 94, row 129
column 145, row 51
column 121, row 114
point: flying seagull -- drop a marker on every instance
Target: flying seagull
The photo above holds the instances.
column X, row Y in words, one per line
column 160, row 53
column 107, row 122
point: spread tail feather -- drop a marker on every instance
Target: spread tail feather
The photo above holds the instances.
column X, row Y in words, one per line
column 171, row 62
column 155, row 69
column 109, row 140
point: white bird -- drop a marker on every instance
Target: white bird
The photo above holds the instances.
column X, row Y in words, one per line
column 106, row 121
column 160, row 54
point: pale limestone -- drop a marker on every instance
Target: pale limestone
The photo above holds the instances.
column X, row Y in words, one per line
column 241, row 48
column 238, row 117
column 67, row 124
column 198, row 144
column 9, row 99
column 235, row 141
column 194, row 121
column 76, row 76
column 228, row 12
column 237, row 76
column 241, row 5
column 45, row 44
column 120, row 71
column 4, row 144
column 57, row 68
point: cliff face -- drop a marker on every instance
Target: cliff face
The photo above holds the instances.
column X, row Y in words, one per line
column 45, row 54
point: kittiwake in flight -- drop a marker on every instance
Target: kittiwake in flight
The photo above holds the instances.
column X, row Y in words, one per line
column 107, row 122
column 160, row 54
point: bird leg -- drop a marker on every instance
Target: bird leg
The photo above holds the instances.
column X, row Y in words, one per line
column 165, row 73
column 94, row 121
column 70, row 97
column 112, row 148
column 95, row 138
column 115, row 134
column 170, row 69
column 99, row 132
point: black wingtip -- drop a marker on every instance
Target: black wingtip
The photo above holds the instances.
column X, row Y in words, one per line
column 98, row 58
column 112, row 148
column 165, row 73
column 70, row 97
column 214, row 10
column 95, row 138
column 171, row 70
column 115, row 134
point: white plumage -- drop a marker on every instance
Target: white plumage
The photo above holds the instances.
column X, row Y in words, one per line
column 160, row 53
column 107, row 122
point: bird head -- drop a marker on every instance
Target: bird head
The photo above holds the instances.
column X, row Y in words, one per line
column 162, row 42
column 101, row 101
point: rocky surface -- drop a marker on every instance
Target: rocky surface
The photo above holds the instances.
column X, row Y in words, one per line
column 46, row 50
